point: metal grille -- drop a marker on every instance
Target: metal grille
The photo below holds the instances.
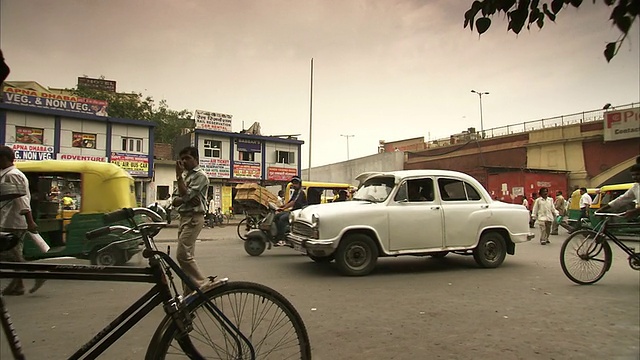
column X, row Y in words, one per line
column 302, row 229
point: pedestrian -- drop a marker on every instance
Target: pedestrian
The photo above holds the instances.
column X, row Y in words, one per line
column 544, row 214
column 15, row 218
column 561, row 206
column 530, row 204
column 585, row 204
column 190, row 199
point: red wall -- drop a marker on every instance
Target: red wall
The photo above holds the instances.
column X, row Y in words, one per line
column 531, row 181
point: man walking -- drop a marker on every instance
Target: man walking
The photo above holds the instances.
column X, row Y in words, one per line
column 15, row 217
column 561, row 206
column 190, row 199
column 544, row 212
column 585, row 204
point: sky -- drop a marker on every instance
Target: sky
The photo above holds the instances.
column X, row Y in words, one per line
column 382, row 70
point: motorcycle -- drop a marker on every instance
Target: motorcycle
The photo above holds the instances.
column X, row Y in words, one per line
column 265, row 236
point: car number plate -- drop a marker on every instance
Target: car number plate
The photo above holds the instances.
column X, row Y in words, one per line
column 299, row 248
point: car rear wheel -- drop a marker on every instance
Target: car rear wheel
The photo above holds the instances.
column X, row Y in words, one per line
column 357, row 255
column 491, row 250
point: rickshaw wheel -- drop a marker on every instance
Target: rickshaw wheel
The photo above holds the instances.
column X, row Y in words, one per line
column 110, row 257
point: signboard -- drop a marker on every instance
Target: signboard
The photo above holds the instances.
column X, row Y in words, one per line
column 97, row 84
column 246, row 170
column 26, row 97
column 212, row 121
column 81, row 157
column 134, row 164
column 251, row 146
column 84, row 140
column 622, row 124
column 281, row 173
column 216, row 168
column 26, row 152
column 28, row 135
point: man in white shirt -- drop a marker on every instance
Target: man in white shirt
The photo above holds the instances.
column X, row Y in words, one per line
column 544, row 212
column 15, row 217
column 631, row 196
column 585, row 203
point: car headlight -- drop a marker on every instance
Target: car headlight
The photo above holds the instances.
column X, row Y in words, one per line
column 315, row 220
column 292, row 217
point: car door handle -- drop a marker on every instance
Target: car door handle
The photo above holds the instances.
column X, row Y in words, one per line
column 435, row 208
column 484, row 206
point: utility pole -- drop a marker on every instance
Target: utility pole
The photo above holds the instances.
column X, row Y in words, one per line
column 310, row 121
column 347, row 136
column 481, row 123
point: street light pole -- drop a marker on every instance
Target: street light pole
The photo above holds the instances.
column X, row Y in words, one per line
column 347, row 136
column 480, row 93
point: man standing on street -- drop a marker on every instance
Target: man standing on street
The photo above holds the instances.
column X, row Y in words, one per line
column 544, row 213
column 15, row 217
column 585, row 203
column 561, row 205
column 190, row 199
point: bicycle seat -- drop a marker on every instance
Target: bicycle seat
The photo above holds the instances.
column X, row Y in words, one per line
column 8, row 241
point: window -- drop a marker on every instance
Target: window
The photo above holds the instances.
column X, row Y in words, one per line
column 247, row 156
column 162, row 192
column 132, row 144
column 456, row 190
column 29, row 135
column 212, row 148
column 83, row 140
column 416, row 190
column 285, row 157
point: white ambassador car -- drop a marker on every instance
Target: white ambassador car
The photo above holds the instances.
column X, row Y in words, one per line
column 410, row 212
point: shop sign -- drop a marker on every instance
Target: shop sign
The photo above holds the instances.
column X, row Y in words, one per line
column 28, row 135
column 246, row 170
column 26, row 97
column 281, row 173
column 216, row 168
column 97, row 84
column 622, row 124
column 249, row 146
column 26, row 152
column 213, row 121
column 81, row 157
column 134, row 164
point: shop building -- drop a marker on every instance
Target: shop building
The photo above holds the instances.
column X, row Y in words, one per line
column 40, row 125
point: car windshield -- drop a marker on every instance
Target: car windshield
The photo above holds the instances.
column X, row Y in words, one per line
column 375, row 189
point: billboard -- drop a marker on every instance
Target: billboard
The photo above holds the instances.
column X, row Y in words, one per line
column 213, row 121
column 622, row 124
column 97, row 84
column 26, row 97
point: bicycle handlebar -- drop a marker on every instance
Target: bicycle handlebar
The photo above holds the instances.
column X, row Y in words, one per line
column 123, row 214
column 609, row 214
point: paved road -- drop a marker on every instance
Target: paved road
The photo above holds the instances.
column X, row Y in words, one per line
column 410, row 308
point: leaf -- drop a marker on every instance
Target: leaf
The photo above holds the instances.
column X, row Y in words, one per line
column 482, row 24
column 534, row 4
column 507, row 5
column 624, row 24
column 618, row 12
column 576, row 3
column 518, row 18
column 533, row 16
column 610, row 51
column 540, row 21
column 634, row 8
column 556, row 6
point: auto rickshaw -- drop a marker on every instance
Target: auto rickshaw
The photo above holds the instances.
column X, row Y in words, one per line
column 68, row 199
column 317, row 192
column 607, row 194
column 573, row 210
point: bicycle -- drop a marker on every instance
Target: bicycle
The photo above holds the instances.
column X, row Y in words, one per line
column 207, row 323
column 250, row 222
column 586, row 255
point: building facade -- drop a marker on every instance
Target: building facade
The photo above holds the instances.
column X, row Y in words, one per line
column 39, row 125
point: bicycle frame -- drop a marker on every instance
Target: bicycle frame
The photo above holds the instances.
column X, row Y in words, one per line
column 603, row 228
column 158, row 294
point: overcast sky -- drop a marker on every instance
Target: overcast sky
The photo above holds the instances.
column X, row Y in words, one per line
column 383, row 70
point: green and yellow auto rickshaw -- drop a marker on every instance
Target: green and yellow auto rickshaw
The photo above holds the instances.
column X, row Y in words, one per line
column 573, row 210
column 607, row 194
column 69, row 198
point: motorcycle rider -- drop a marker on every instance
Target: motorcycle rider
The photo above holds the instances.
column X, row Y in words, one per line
column 298, row 201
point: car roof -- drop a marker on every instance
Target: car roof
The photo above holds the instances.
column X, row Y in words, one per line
column 401, row 174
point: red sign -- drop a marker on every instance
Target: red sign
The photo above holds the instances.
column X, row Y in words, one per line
column 280, row 173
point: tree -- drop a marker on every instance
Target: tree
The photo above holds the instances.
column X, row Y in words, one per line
column 526, row 12
column 169, row 123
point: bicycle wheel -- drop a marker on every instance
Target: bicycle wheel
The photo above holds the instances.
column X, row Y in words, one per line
column 244, row 226
column 584, row 259
column 264, row 316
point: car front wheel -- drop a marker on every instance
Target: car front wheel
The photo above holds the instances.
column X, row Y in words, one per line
column 357, row 255
column 491, row 250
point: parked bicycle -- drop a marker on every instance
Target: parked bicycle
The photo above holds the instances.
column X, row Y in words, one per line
column 586, row 255
column 218, row 320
